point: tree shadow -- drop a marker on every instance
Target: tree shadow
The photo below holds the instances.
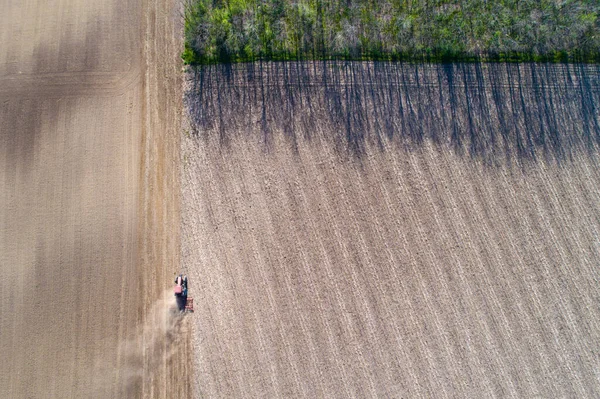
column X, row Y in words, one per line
column 490, row 111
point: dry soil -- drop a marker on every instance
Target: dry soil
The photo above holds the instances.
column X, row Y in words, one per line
column 393, row 230
column 89, row 106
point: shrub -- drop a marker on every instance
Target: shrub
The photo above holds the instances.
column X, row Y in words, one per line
column 521, row 30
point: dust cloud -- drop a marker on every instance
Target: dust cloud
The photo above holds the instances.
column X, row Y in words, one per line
column 158, row 339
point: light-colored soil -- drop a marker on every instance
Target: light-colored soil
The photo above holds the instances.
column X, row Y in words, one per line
column 399, row 267
column 89, row 104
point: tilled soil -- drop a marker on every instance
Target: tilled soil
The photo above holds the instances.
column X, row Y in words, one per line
column 332, row 262
column 89, row 104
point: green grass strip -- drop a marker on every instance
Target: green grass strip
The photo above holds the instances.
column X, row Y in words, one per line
column 229, row 31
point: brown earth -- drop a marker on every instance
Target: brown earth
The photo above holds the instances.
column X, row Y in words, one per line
column 412, row 234
column 89, row 110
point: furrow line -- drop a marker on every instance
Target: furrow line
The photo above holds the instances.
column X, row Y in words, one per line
column 434, row 254
column 461, row 274
column 340, row 299
column 409, row 204
column 220, row 198
column 355, row 279
column 284, row 178
column 244, row 182
column 268, row 218
column 445, row 169
column 524, row 224
column 395, row 278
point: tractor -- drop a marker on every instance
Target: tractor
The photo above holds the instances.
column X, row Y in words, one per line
column 184, row 302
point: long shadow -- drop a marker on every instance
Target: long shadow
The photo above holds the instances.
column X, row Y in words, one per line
column 488, row 111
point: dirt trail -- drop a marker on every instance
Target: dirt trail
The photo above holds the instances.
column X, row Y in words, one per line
column 332, row 261
column 89, row 106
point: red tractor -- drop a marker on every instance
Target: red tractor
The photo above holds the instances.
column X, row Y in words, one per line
column 184, row 302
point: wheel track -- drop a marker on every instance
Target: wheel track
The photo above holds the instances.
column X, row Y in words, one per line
column 243, row 183
column 547, row 262
column 434, row 260
column 525, row 225
column 215, row 199
column 392, row 261
column 329, row 266
column 371, row 323
column 293, row 293
column 413, row 261
column 442, row 169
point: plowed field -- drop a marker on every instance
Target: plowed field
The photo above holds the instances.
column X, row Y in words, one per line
column 392, row 230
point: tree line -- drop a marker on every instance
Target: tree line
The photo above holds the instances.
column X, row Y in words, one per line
column 506, row 30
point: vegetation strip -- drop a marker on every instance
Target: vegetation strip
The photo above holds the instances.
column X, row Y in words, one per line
column 218, row 31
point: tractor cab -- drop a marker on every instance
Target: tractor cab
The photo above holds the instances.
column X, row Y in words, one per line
column 184, row 302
